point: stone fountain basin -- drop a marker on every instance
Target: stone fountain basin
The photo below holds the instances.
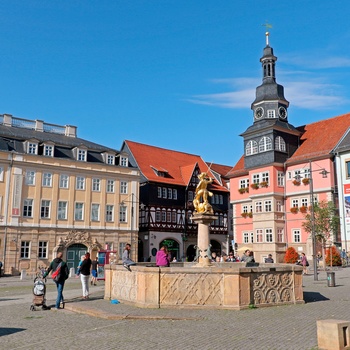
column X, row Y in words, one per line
column 219, row 286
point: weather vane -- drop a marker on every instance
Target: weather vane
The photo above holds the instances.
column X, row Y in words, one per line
column 267, row 26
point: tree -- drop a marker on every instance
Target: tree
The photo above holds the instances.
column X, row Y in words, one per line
column 325, row 223
column 291, row 256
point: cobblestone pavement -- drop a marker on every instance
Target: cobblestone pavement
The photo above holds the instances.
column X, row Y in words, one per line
column 98, row 324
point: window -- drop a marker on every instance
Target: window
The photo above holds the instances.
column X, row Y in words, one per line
column 246, row 237
column 256, row 178
column 124, row 161
column 96, row 185
column 173, row 216
column 164, row 192
column 174, row 194
column 110, row 186
column 268, row 205
column 244, row 208
column 159, row 192
column 95, row 212
column 110, row 159
column 280, row 179
column 296, row 236
column 32, row 148
column 259, row 235
column 347, row 165
column 109, row 213
column 270, row 113
column 251, row 148
column 265, row 177
column 157, row 216
column 168, row 216
column 163, row 213
column 28, row 208
column 1, row 174
column 295, row 203
column 265, row 144
column 62, row 210
column 251, row 237
column 279, row 206
column 280, row 235
column 48, row 150
column 64, row 181
column 25, row 249
column 280, row 144
column 307, row 173
column 30, row 177
column 42, row 250
column 81, row 155
column 170, row 193
column 45, row 209
column 47, row 180
column 244, row 183
column 297, row 173
column 304, row 202
column 80, row 183
column 78, row 211
column 221, row 199
column 268, row 235
column 123, row 187
column 258, row 207
column 190, row 195
column 122, row 213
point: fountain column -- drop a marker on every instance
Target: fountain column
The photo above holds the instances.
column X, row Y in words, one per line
column 203, row 240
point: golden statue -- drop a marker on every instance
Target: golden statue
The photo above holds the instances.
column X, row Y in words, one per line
column 200, row 201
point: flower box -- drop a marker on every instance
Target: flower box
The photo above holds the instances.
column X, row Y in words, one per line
column 294, row 210
column 264, row 184
column 250, row 215
column 306, row 181
column 296, row 182
column 244, row 215
column 254, row 186
column 303, row 209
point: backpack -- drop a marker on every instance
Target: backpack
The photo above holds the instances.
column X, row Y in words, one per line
column 57, row 273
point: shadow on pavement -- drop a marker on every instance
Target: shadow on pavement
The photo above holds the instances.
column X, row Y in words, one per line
column 3, row 299
column 7, row 331
column 311, row 297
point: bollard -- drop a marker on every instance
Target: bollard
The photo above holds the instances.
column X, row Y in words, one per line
column 23, row 274
column 331, row 279
column 71, row 272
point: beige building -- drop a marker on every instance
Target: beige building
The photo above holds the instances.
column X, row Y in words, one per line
column 60, row 192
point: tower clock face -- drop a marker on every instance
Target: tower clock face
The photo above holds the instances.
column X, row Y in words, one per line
column 259, row 112
column 282, row 112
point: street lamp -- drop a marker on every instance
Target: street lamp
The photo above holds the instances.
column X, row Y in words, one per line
column 324, row 173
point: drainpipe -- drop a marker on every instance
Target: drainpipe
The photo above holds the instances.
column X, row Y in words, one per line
column 7, row 196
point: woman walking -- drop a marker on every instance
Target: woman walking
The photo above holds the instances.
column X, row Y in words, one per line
column 85, row 274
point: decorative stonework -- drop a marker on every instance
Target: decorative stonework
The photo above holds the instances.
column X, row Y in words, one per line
column 74, row 237
column 273, row 288
column 125, row 286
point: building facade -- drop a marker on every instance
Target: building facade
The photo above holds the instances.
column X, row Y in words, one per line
column 167, row 188
column 61, row 192
column 283, row 171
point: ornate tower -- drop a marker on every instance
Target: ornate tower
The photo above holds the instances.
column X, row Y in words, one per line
column 271, row 139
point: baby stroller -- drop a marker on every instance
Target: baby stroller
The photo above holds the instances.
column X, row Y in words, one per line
column 39, row 292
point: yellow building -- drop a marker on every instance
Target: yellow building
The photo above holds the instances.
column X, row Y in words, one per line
column 60, row 192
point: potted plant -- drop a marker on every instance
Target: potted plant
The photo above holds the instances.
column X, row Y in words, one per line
column 264, row 184
column 296, row 182
column 294, row 210
column 250, row 214
column 241, row 190
column 247, row 189
column 305, row 180
column 303, row 209
column 244, row 215
column 254, row 186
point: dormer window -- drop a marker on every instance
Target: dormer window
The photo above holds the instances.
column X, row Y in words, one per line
column 123, row 161
column 81, row 155
column 32, row 148
column 110, row 159
column 48, row 150
column 161, row 172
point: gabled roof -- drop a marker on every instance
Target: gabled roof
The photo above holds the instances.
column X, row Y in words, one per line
column 179, row 165
column 320, row 138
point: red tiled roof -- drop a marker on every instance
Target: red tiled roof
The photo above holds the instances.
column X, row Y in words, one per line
column 220, row 169
column 320, row 138
column 317, row 141
column 179, row 165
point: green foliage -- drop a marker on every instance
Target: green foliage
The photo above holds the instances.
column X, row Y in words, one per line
column 333, row 254
column 325, row 223
column 291, row 256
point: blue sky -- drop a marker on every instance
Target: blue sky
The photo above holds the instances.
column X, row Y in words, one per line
column 170, row 73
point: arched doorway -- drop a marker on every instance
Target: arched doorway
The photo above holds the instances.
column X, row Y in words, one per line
column 74, row 253
column 173, row 248
column 190, row 252
column 215, row 247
